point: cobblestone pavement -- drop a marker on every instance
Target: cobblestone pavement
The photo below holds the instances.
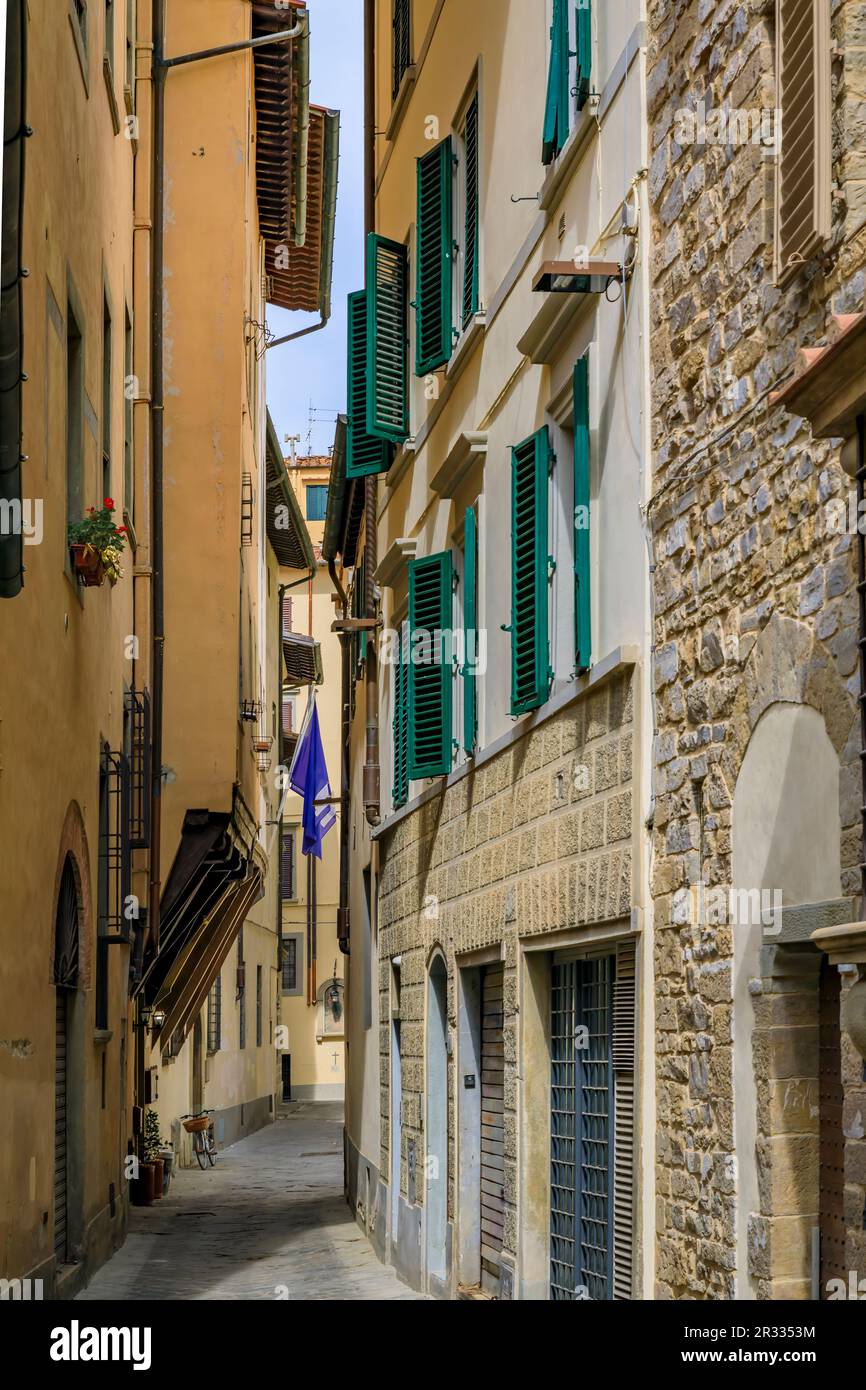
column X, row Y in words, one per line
column 269, row 1217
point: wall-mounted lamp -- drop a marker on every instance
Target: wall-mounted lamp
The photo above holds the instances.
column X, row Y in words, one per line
column 569, row 277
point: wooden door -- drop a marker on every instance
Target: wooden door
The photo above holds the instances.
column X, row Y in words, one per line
column 831, row 1196
column 492, row 1129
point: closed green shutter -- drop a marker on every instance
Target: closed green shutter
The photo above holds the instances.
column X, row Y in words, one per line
column 430, row 668
column 433, row 341
column 401, row 721
column 582, row 590
column 470, row 631
column 558, row 94
column 387, row 367
column 584, row 52
column 470, row 256
column 530, row 657
column 364, row 454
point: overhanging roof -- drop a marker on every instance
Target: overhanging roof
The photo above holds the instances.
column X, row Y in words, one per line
column 299, row 277
column 345, row 510
column 287, row 531
column 282, row 88
column 303, row 658
column 829, row 386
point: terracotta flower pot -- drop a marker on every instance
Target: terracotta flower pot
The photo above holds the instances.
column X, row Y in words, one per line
column 158, row 1167
column 144, row 1185
column 88, row 566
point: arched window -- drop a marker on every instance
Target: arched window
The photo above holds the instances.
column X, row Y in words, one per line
column 66, row 930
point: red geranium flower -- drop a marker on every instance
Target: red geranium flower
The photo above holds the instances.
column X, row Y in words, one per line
column 109, row 503
column 121, row 530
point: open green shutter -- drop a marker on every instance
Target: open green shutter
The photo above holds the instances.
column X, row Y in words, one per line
column 470, row 631
column 584, row 52
column 582, row 591
column 387, row 313
column 470, row 235
column 430, row 669
column 558, row 94
column 364, row 455
column 433, row 292
column 401, row 722
column 530, row 655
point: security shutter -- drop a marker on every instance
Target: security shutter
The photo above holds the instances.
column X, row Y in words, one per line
column 530, row 658
column 401, row 721
column 387, row 316
column 470, row 631
column 558, row 94
column 364, row 454
column 584, row 52
column 831, row 1182
column 582, row 590
column 492, row 1128
column 430, row 671
column 60, row 1124
column 623, row 1052
column 803, row 190
column 434, row 339
column 470, row 235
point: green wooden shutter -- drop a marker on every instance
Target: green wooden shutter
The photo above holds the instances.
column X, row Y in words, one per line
column 582, row 590
column 558, row 93
column 364, row 455
column 530, row 656
column 584, row 52
column 387, row 368
column 433, row 338
column 430, row 670
column 470, row 236
column 470, row 631
column 401, row 721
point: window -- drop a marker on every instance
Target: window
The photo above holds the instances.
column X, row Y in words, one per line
column 433, row 335
column 128, row 443
column 430, row 667
column 387, row 339
column 78, row 12
column 242, row 993
column 130, row 53
column 469, row 198
column 569, row 72
column 214, row 1016
column 317, row 502
column 400, row 792
column 803, row 213
column 289, row 884
column 292, row 962
column 365, row 455
column 530, row 573
column 74, row 418
column 109, row 33
column 402, row 43
column 258, row 1006
column 106, row 400
column 470, row 631
column 582, row 589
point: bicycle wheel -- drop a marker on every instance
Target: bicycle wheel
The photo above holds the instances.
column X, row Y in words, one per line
column 198, row 1143
column 211, row 1151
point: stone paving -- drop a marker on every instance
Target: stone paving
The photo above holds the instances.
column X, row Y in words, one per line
column 269, row 1221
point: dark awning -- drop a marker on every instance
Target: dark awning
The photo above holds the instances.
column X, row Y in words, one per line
column 303, row 658
column 282, row 84
column 287, row 531
column 345, row 510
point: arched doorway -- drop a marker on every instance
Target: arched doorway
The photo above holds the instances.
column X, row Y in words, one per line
column 436, row 1168
column 66, row 969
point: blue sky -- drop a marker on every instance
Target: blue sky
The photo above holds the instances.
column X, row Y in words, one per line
column 314, row 368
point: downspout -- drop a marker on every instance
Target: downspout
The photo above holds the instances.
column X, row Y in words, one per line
column 372, row 798
column 343, row 916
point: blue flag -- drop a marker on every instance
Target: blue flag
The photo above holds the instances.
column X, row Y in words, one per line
column 308, row 776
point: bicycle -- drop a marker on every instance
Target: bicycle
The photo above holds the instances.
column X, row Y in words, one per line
column 200, row 1126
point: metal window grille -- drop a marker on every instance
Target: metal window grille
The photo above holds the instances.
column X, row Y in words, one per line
column 402, row 42
column 140, row 767
column 246, row 509
column 258, row 1006
column 214, row 1016
column 290, row 965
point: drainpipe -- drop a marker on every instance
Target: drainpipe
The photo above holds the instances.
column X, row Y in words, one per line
column 343, row 915
column 372, row 798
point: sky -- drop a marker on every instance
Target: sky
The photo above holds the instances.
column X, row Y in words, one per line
column 314, row 368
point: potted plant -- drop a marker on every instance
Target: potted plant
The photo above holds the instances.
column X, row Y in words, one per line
column 96, row 545
column 153, row 1146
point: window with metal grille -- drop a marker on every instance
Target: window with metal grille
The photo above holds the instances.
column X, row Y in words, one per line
column 138, row 752
column 430, row 667
column 241, row 993
column 402, row 58
column 292, row 960
column 114, row 870
column 289, row 883
column 317, row 502
column 214, row 1016
column 803, row 183
column 258, row 1006
column 531, row 572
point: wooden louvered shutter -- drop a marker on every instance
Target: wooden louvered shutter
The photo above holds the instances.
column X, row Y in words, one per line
column 623, row 1056
column 430, row 671
column 470, row 631
column 387, row 316
column 558, row 94
column 584, row 52
column 433, row 337
column 287, row 615
column 364, row 454
column 288, row 866
column 402, row 43
column 471, row 298
column 401, row 721
column 803, row 189
column 582, row 589
column 530, row 660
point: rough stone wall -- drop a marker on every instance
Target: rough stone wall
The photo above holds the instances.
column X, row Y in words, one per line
column 538, row 840
column 740, row 535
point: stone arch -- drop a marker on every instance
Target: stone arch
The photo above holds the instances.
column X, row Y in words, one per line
column 73, row 844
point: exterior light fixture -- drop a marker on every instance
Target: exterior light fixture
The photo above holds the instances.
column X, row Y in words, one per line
column 571, row 277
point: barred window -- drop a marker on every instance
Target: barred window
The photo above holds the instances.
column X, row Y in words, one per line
column 214, row 1016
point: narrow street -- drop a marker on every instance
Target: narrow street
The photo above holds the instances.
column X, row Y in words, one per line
column 269, row 1217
